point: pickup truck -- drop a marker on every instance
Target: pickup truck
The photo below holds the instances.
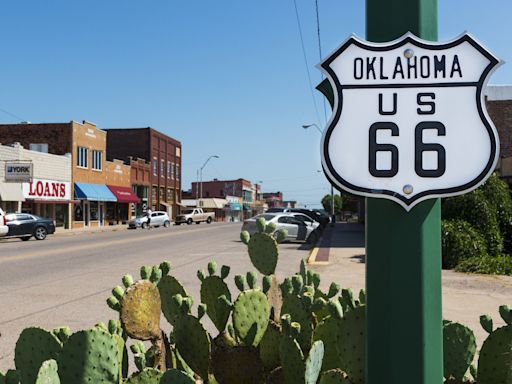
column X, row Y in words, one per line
column 3, row 224
column 194, row 215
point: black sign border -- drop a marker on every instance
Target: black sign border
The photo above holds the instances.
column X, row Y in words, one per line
column 409, row 38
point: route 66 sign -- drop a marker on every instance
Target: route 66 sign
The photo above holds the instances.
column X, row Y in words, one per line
column 409, row 120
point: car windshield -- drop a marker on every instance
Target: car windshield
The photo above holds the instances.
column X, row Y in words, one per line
column 265, row 216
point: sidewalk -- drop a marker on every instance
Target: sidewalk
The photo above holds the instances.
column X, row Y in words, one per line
column 59, row 231
column 339, row 256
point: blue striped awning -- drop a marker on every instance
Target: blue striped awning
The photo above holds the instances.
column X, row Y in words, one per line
column 93, row 192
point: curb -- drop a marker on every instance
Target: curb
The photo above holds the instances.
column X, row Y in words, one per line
column 311, row 260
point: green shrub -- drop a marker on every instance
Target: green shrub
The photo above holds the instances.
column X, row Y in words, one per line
column 460, row 241
column 495, row 265
column 476, row 210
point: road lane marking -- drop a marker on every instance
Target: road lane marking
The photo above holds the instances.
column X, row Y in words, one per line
column 53, row 252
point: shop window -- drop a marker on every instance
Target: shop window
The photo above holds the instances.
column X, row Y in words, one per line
column 79, row 212
column 82, row 157
column 97, row 157
column 168, row 169
column 177, row 172
column 162, row 167
column 39, row 147
column 172, row 171
column 155, row 168
column 178, row 151
column 94, row 210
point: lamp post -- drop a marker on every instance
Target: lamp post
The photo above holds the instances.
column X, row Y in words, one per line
column 201, row 176
column 333, row 217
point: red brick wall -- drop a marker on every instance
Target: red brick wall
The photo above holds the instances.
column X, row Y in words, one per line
column 58, row 136
column 500, row 112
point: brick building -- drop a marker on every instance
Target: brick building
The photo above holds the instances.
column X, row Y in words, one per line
column 95, row 203
column 164, row 155
column 273, row 199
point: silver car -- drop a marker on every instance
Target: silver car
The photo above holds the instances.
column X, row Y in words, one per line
column 158, row 218
column 299, row 228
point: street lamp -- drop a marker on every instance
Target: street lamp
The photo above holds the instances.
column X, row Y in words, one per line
column 201, row 176
column 306, row 126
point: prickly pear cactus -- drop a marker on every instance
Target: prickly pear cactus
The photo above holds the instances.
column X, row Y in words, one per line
column 90, row 356
column 269, row 346
column 251, row 312
column 262, row 246
column 216, row 295
column 351, row 341
column 175, row 376
column 333, row 376
column 495, row 360
column 48, row 373
column 147, row 376
column 227, row 363
column 169, row 286
column 34, row 346
column 328, row 331
column 459, row 347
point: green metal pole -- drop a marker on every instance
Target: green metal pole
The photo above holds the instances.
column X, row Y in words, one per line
column 403, row 249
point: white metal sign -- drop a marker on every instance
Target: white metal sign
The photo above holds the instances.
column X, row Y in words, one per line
column 18, row 172
column 409, row 119
column 40, row 189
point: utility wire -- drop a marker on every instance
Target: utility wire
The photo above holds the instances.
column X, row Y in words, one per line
column 305, row 59
column 320, row 50
column 12, row 115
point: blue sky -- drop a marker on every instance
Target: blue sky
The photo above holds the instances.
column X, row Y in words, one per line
column 226, row 78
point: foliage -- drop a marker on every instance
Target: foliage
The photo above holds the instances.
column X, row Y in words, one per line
column 460, row 241
column 338, row 203
column 495, row 265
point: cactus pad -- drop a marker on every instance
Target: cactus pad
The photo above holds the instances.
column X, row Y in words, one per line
column 334, row 376
column 327, row 331
column 269, row 346
column 351, row 342
column 459, row 347
column 293, row 305
column 237, row 365
column 140, row 311
column 314, row 362
column 251, row 312
column 48, row 373
column 89, row 356
column 212, row 287
column 263, row 252
column 292, row 361
column 495, row 361
column 34, row 346
column 147, row 376
column 168, row 287
column 175, row 376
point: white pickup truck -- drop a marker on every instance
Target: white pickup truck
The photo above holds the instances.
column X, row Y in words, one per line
column 3, row 225
column 194, row 215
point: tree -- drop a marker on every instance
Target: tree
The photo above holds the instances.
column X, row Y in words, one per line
column 326, row 203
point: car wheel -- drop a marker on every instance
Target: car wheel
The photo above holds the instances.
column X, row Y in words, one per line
column 189, row 221
column 40, row 233
column 209, row 220
column 25, row 238
column 198, row 222
column 167, row 224
column 144, row 225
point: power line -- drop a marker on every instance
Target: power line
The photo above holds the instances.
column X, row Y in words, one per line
column 305, row 59
column 12, row 115
column 320, row 50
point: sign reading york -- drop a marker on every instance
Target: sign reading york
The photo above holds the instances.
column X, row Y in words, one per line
column 409, row 119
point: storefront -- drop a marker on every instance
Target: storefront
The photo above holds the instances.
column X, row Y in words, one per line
column 91, row 210
column 121, row 211
column 11, row 197
column 49, row 198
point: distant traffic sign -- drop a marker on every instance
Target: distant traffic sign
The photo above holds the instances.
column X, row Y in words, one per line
column 409, row 119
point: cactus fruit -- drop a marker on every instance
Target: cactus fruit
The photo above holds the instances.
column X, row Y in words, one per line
column 175, row 376
column 147, row 376
column 251, row 312
column 459, row 347
column 351, row 341
column 34, row 346
column 495, row 362
column 140, row 311
column 486, row 323
column 212, row 288
column 89, row 356
column 506, row 314
column 48, row 373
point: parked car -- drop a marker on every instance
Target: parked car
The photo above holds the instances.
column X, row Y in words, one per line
column 277, row 209
column 322, row 219
column 194, row 215
column 307, row 219
column 298, row 229
column 158, row 218
column 3, row 225
column 25, row 225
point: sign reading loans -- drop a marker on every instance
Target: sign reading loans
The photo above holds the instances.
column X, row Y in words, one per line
column 409, row 119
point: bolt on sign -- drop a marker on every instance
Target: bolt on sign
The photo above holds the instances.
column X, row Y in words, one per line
column 409, row 120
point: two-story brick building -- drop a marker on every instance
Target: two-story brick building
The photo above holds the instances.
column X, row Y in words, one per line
column 96, row 201
column 164, row 155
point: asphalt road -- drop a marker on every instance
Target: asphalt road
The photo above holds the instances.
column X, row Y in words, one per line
column 66, row 279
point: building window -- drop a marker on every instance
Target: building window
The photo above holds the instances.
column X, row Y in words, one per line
column 162, row 168
column 172, row 171
column 177, row 172
column 178, row 152
column 82, row 157
column 97, row 160
column 155, row 168
column 168, row 169
column 39, row 147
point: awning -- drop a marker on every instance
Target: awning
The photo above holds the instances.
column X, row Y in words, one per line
column 11, row 192
column 93, row 192
column 124, row 194
column 234, row 206
column 212, row 203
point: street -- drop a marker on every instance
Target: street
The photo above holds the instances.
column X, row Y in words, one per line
column 66, row 279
